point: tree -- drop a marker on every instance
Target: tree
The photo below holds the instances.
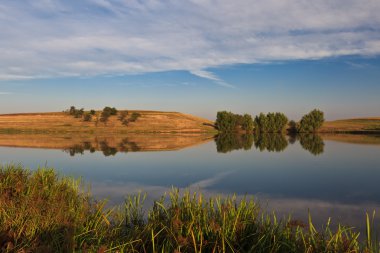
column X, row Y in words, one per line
column 225, row 121
column 261, row 123
column 247, row 123
column 92, row 112
column 311, row 122
column 280, row 122
column 271, row 123
column 239, row 121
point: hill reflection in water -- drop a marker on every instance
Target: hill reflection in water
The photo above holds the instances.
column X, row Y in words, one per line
column 224, row 143
column 110, row 145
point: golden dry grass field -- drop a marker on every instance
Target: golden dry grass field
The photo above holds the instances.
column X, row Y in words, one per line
column 367, row 125
column 149, row 121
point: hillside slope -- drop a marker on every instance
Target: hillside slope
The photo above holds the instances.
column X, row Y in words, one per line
column 358, row 125
column 149, row 121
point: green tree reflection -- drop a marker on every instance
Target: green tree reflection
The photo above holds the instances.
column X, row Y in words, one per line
column 312, row 143
column 270, row 142
column 106, row 149
column 126, row 146
column 75, row 150
column 227, row 142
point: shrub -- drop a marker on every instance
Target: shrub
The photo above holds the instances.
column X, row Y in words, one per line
column 123, row 115
column 111, row 111
column 77, row 113
column 105, row 116
column 87, row 117
column 106, row 113
column 134, row 116
column 72, row 110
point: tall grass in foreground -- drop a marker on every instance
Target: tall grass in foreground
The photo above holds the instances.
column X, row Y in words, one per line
column 41, row 212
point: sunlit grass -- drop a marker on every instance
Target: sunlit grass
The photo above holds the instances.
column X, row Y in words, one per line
column 42, row 212
column 352, row 125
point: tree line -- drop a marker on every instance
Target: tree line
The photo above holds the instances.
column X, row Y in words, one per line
column 103, row 116
column 227, row 122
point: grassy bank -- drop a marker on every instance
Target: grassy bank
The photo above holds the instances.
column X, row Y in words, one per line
column 42, row 212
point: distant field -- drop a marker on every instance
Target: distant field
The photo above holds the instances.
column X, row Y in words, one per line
column 365, row 125
column 149, row 121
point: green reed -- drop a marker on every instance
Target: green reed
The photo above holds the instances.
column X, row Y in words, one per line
column 42, row 212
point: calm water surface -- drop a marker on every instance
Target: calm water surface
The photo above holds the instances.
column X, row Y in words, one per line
column 289, row 175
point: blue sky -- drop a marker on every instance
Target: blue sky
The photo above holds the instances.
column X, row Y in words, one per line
column 196, row 56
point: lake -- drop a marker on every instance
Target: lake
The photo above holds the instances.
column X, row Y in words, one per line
column 332, row 175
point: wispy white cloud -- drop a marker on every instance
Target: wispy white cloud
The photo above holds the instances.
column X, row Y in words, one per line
column 106, row 37
column 358, row 65
column 5, row 93
column 211, row 76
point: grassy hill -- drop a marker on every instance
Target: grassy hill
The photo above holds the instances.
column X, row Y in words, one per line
column 148, row 122
column 358, row 125
column 60, row 122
